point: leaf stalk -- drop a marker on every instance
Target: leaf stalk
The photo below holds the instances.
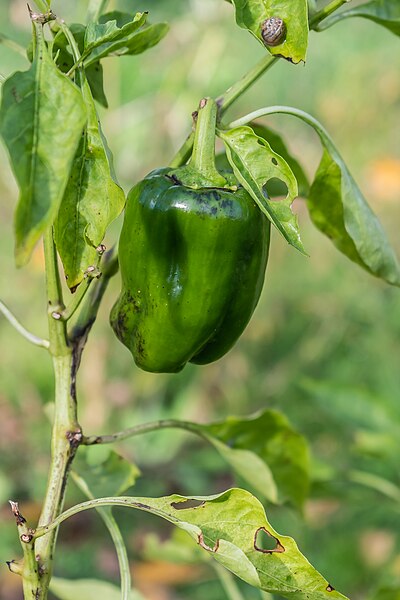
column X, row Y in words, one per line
column 12, row 319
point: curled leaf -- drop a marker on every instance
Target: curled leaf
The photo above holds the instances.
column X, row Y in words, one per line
column 338, row 209
column 92, row 200
column 254, row 163
column 233, row 529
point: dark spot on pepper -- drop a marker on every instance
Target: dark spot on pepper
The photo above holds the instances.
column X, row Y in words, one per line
column 140, row 345
column 174, row 179
column 226, row 204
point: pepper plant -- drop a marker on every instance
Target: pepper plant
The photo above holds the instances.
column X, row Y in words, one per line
column 172, row 309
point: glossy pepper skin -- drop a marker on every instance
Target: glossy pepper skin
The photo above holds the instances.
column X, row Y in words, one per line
column 192, row 263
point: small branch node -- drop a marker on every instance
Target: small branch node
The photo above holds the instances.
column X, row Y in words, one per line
column 14, row 566
column 20, row 520
column 75, row 438
column 41, row 18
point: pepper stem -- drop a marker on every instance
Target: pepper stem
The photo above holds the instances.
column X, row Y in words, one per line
column 203, row 156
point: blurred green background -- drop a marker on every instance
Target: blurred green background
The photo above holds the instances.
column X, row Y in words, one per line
column 323, row 345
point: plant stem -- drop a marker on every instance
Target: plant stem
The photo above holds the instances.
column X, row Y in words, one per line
column 29, row 569
column 203, row 156
column 37, row 341
column 66, row 434
column 139, row 430
column 325, row 12
column 115, row 532
column 295, row 112
column 237, row 89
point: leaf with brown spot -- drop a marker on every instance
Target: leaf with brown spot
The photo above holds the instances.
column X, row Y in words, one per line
column 227, row 527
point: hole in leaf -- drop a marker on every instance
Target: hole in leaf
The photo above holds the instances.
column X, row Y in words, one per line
column 329, row 588
column 266, row 542
column 203, row 544
column 275, row 187
column 274, row 161
column 190, row 503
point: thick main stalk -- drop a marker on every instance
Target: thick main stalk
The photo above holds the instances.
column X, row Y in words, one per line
column 66, row 433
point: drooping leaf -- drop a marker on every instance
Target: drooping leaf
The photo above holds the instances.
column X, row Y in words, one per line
column 267, row 452
column 142, row 40
column 36, row 104
column 232, row 528
column 276, row 142
column 382, row 12
column 251, row 14
column 87, row 589
column 107, row 31
column 254, row 163
column 338, row 209
column 92, row 200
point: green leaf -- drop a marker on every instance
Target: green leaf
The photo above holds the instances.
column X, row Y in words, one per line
column 110, row 475
column 267, row 452
column 251, row 14
column 382, row 12
column 87, row 589
column 254, row 163
column 64, row 58
column 232, row 528
column 92, row 200
column 337, row 206
column 109, row 31
column 36, row 106
column 276, row 142
column 338, row 209
column 139, row 42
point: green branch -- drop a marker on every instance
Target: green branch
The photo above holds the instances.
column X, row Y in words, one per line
column 237, row 89
column 119, row 436
column 30, row 569
column 37, row 341
column 325, row 12
column 116, row 535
